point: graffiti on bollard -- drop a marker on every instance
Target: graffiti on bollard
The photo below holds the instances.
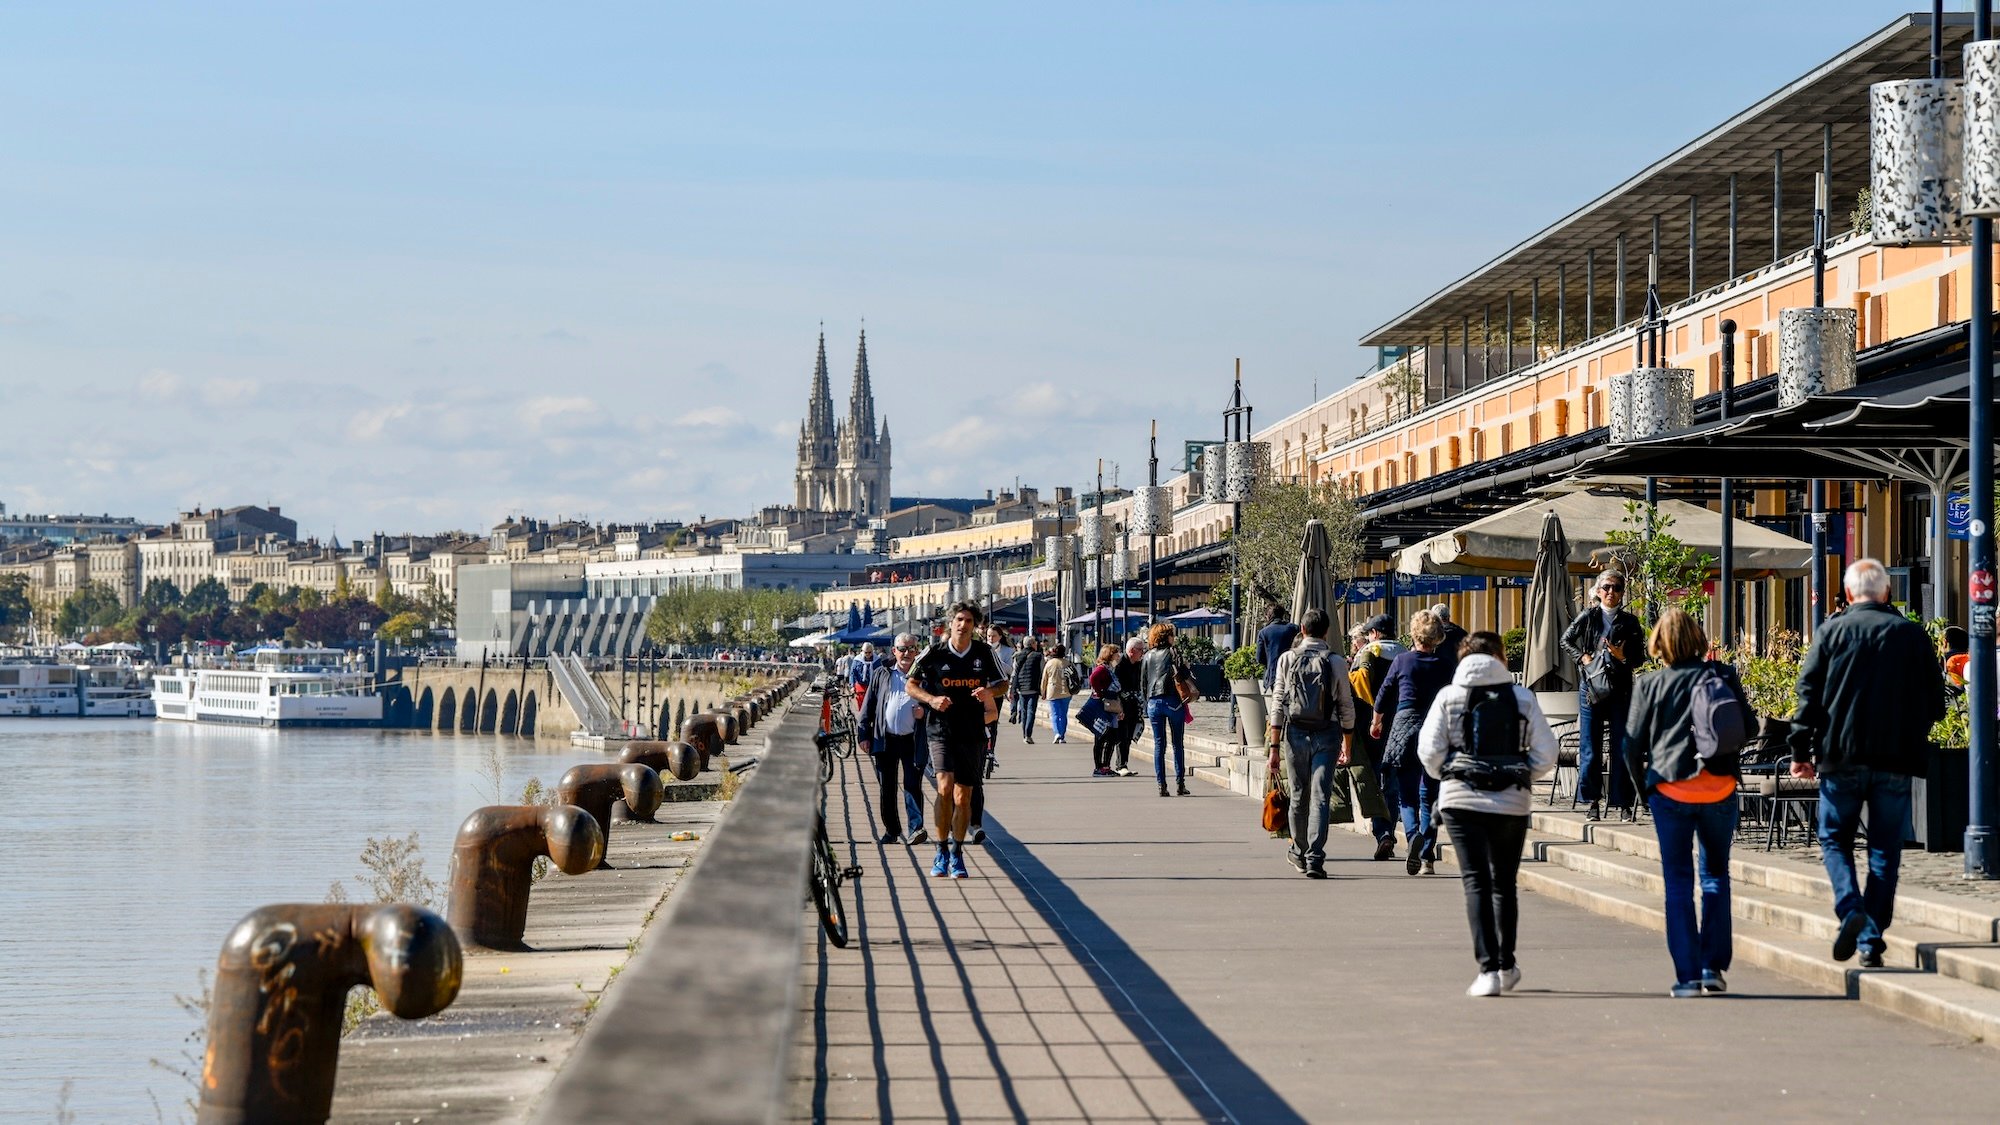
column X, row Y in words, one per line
column 493, row 866
column 281, row 988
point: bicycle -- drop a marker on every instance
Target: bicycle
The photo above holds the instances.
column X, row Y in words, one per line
column 837, row 718
column 827, row 873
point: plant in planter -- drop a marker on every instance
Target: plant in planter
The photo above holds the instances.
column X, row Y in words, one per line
column 1195, row 648
column 1772, row 680
column 1245, row 674
column 1514, row 642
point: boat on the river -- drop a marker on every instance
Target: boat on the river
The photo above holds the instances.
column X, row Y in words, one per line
column 271, row 686
column 31, row 689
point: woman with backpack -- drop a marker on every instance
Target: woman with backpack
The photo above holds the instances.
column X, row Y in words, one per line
column 1687, row 724
column 1056, row 688
column 1160, row 675
column 1414, row 680
column 1487, row 741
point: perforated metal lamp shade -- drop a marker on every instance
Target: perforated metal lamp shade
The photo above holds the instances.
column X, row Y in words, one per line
column 1815, row 353
column 1153, row 510
column 1248, row 462
column 1215, row 473
column 1917, row 162
column 1981, row 97
column 1059, row 550
column 1090, row 533
column 1651, row 401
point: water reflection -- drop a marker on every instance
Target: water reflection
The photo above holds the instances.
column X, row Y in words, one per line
column 137, row 844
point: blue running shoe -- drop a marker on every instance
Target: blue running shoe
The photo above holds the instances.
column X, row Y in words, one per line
column 942, row 864
column 957, row 864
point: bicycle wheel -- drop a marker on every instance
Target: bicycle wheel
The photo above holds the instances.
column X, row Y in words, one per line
column 826, row 889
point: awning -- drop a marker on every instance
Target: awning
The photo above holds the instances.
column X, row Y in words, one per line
column 1506, row 542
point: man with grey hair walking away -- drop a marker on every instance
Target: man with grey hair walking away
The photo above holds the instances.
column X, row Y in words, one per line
column 1313, row 712
column 1454, row 634
column 1868, row 694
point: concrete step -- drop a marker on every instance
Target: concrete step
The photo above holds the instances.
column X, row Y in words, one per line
column 1948, row 1003
column 1751, row 867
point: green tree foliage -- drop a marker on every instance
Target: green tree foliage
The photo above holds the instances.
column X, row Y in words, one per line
column 1274, row 525
column 1661, row 572
column 404, row 628
column 437, row 608
column 16, row 611
column 208, row 596
column 161, row 593
column 93, row 607
column 686, row 617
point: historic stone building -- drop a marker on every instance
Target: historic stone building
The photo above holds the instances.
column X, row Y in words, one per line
column 843, row 463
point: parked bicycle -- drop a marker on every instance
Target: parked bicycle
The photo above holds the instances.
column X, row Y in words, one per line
column 827, row 873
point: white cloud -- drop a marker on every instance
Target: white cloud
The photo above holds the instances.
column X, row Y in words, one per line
column 717, row 416
column 160, row 383
column 539, row 411
column 228, row 392
column 367, row 425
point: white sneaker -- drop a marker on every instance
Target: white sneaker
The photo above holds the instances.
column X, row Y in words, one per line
column 1509, row 978
column 1485, row 984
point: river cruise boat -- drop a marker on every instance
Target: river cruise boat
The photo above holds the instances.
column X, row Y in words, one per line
column 73, row 691
column 271, row 687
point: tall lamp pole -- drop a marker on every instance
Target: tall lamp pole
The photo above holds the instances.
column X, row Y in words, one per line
column 1818, row 487
column 1982, row 847
column 1152, row 540
column 1097, row 562
column 1727, row 584
column 1235, row 421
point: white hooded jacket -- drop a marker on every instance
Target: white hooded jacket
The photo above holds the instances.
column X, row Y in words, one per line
column 1444, row 728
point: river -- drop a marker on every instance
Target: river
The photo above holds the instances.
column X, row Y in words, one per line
column 141, row 843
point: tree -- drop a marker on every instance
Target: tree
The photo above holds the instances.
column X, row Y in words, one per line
column 404, row 628
column 15, row 609
column 1661, row 572
column 436, row 607
column 93, row 607
column 342, row 588
column 1274, row 525
column 208, row 596
column 161, row 593
column 688, row 616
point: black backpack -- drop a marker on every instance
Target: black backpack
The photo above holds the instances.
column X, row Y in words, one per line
column 1494, row 754
column 1312, row 688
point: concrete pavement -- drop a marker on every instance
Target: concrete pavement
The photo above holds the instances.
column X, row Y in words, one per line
column 1188, row 950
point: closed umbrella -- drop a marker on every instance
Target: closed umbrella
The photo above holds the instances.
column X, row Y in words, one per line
column 1550, row 608
column 1312, row 588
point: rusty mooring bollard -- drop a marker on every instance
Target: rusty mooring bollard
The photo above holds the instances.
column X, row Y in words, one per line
column 741, row 711
column 594, row 787
column 704, row 733
column 493, row 866
column 281, row 988
column 677, row 759
column 725, row 722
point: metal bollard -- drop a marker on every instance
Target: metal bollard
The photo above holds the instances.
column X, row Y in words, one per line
column 594, row 787
column 677, row 759
column 704, row 733
column 725, row 720
column 741, row 712
column 493, row 866
column 280, row 991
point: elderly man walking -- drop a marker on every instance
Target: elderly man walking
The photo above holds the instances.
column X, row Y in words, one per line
column 1312, row 711
column 1868, row 694
column 888, row 734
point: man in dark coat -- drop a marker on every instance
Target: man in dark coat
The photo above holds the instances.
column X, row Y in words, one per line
column 1608, row 634
column 1869, row 692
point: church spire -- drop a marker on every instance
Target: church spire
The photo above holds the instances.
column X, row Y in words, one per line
column 861, row 400
column 819, row 414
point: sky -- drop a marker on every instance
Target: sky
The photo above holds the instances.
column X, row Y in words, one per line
column 424, row 266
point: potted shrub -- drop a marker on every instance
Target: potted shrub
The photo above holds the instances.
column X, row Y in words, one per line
column 1245, row 674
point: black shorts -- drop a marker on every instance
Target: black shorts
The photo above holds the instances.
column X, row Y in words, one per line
column 961, row 754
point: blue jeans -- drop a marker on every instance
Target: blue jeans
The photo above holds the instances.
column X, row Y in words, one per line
column 1590, row 724
column 1411, row 795
column 1842, row 797
column 1029, row 705
column 1309, row 762
column 1059, row 717
column 1165, row 716
column 1680, row 826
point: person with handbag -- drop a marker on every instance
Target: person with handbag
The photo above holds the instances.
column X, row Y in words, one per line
column 1312, row 714
column 1608, row 644
column 1687, row 727
column 1487, row 741
column 1163, row 679
column 1378, row 652
column 1102, row 711
column 1028, row 687
column 1414, row 680
column 1132, row 704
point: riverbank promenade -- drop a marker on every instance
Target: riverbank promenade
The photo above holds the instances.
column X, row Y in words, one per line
column 1118, row 956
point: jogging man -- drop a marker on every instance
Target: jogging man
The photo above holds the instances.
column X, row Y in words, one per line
column 956, row 680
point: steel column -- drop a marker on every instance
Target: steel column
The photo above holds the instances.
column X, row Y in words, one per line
column 1982, row 846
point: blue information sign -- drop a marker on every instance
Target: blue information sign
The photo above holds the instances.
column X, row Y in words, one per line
column 1958, row 516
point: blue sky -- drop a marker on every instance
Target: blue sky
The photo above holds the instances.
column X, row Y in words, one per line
column 407, row 267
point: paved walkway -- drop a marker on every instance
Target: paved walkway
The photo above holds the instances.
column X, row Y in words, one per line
column 1116, row 955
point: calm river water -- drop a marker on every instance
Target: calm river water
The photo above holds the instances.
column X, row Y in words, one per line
column 137, row 844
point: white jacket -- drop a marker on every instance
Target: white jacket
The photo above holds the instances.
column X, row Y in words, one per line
column 1444, row 727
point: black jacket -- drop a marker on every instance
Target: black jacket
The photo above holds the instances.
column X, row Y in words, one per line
column 1586, row 637
column 1028, row 673
column 878, row 684
column 1868, row 693
column 1659, row 732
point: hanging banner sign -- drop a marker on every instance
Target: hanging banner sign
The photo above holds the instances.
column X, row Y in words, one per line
column 1958, row 516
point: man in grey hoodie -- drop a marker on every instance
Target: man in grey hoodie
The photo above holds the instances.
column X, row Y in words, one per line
column 1315, row 744
column 1487, row 826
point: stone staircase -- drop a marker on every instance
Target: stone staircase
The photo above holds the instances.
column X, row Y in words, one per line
column 1941, row 968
